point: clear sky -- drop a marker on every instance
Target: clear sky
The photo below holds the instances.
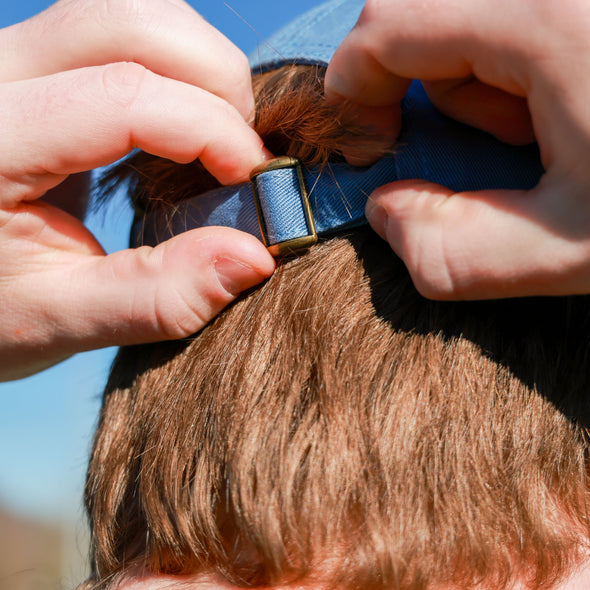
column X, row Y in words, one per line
column 46, row 421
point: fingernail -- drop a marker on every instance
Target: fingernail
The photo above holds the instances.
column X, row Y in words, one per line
column 251, row 110
column 336, row 87
column 235, row 276
column 252, row 118
column 267, row 155
column 377, row 218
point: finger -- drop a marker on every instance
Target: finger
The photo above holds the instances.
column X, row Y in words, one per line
column 130, row 297
column 374, row 98
column 397, row 41
column 78, row 120
column 382, row 126
column 449, row 40
column 167, row 292
column 433, row 41
column 485, row 244
column 371, row 67
column 469, row 101
column 166, row 36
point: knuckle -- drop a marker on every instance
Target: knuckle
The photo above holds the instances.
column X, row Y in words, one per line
column 241, row 77
column 240, row 68
column 129, row 22
column 122, row 83
column 433, row 283
column 181, row 315
column 178, row 326
column 370, row 11
column 429, row 289
column 429, row 264
column 374, row 10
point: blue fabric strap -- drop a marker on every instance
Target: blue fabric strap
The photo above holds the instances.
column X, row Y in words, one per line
column 431, row 147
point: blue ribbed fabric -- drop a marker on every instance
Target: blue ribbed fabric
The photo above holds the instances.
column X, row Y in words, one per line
column 431, row 147
column 280, row 200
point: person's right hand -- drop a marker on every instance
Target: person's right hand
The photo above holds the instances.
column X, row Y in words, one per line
column 517, row 69
column 81, row 85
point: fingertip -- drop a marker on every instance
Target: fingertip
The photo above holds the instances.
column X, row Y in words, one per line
column 402, row 210
column 374, row 132
column 241, row 82
column 377, row 217
column 386, row 201
column 266, row 154
column 242, row 95
column 236, row 276
column 337, row 88
column 371, row 105
column 215, row 243
column 355, row 74
column 249, row 112
column 247, row 250
column 239, row 260
column 232, row 167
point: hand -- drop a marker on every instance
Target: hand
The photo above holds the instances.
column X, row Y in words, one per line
column 70, row 100
column 519, row 70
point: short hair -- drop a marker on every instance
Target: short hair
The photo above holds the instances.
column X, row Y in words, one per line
column 334, row 427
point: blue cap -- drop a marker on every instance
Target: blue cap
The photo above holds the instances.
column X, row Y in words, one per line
column 310, row 39
column 431, row 147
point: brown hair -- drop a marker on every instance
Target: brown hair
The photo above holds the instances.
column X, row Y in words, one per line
column 335, row 428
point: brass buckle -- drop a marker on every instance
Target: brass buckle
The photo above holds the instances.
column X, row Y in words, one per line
column 296, row 244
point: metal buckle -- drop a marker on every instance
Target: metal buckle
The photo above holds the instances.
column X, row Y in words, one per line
column 301, row 242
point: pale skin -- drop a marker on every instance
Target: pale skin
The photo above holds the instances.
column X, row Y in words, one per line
column 518, row 70
column 80, row 86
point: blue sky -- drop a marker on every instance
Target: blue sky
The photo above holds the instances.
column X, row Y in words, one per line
column 47, row 420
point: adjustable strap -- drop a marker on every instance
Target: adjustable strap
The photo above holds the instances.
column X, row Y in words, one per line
column 285, row 205
column 288, row 206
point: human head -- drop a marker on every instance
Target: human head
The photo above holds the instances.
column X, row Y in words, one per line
column 333, row 428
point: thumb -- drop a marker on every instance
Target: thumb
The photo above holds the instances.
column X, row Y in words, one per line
column 485, row 244
column 133, row 296
column 167, row 292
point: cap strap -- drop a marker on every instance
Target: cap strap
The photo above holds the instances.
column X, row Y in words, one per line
column 431, row 147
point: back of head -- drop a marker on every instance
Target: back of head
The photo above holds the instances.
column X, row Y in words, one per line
column 334, row 428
